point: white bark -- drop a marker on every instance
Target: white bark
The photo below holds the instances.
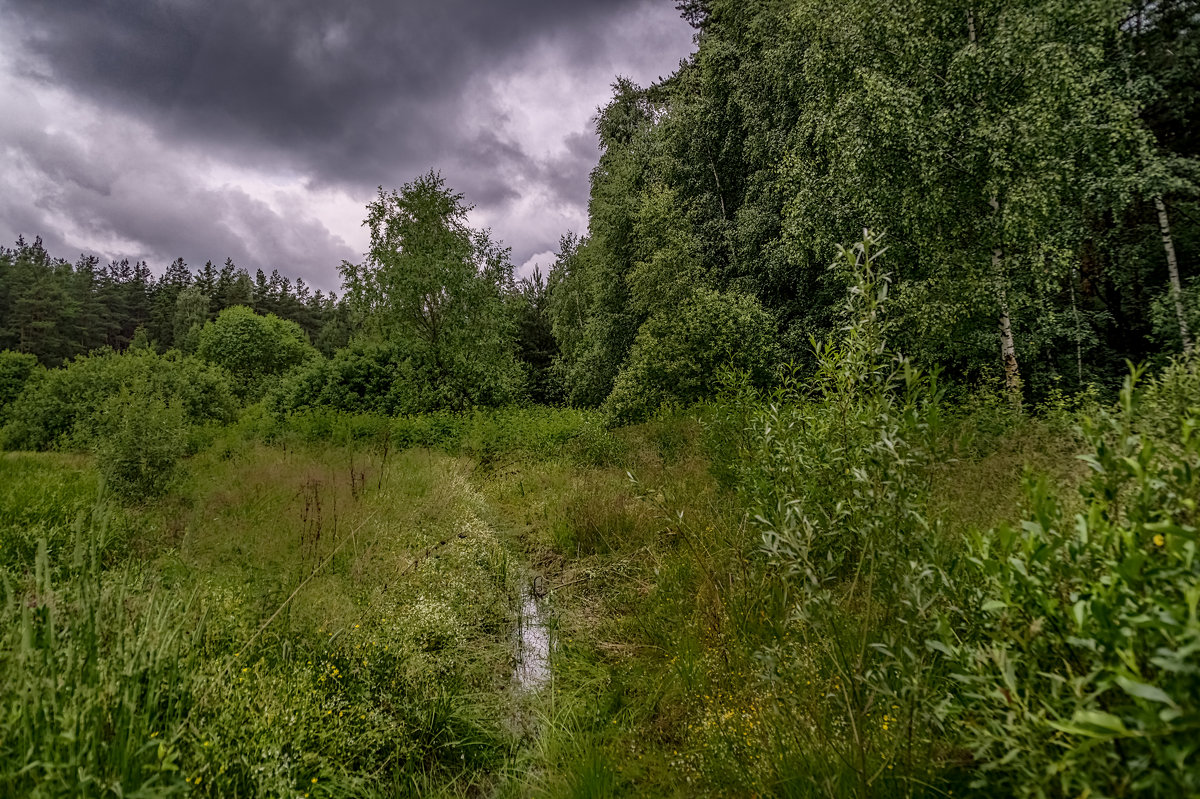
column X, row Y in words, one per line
column 1164, row 226
column 1078, row 333
column 1008, row 347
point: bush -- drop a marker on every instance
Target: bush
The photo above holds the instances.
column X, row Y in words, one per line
column 1168, row 397
column 16, row 369
column 384, row 378
column 363, row 378
column 835, row 472
column 139, row 440
column 1084, row 654
column 252, row 347
column 678, row 351
column 1164, row 318
column 60, row 407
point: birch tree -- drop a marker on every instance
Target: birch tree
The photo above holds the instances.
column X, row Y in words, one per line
column 435, row 287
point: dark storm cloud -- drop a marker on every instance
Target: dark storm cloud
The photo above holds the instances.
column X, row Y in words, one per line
column 129, row 108
column 141, row 198
column 346, row 89
column 567, row 176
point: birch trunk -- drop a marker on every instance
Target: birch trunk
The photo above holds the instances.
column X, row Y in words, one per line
column 1008, row 347
column 1078, row 334
column 1164, row 226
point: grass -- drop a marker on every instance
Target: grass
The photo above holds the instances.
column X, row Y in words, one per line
column 299, row 617
column 45, row 497
column 668, row 672
column 335, row 623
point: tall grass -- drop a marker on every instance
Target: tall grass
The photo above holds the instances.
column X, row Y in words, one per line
column 236, row 657
column 823, row 590
column 97, row 672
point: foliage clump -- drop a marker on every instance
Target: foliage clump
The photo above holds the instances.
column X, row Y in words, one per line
column 679, row 350
column 16, row 369
column 61, row 407
column 139, row 438
column 365, row 377
column 1081, row 652
column 253, row 348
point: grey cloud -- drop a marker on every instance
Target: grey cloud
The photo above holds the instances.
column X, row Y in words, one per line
column 567, row 176
column 345, row 89
column 162, row 210
column 341, row 95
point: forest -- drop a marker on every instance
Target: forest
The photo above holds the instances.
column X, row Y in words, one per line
column 853, row 449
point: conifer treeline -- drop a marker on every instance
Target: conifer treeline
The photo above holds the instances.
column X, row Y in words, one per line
column 55, row 310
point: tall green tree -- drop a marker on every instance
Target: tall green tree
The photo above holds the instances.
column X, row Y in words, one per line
column 253, row 347
column 590, row 284
column 436, row 288
column 41, row 308
column 1008, row 149
column 537, row 348
column 191, row 313
column 175, row 279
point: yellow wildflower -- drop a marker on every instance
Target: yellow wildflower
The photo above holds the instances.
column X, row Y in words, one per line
column 1159, row 541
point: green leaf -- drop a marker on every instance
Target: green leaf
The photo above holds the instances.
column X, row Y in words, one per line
column 938, row 646
column 1141, row 690
column 1093, row 724
column 1079, row 611
column 994, row 606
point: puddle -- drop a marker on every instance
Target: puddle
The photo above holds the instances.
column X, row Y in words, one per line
column 532, row 669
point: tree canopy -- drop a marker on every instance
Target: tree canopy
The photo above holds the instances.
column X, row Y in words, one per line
column 438, row 290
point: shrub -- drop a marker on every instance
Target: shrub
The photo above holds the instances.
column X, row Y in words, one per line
column 678, row 351
column 1082, row 676
column 1164, row 318
column 835, row 474
column 252, row 347
column 385, row 378
column 833, row 467
column 139, row 440
column 16, row 369
column 363, row 378
column 1167, row 397
column 1056, row 658
column 60, row 407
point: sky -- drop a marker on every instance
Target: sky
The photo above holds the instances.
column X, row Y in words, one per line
column 259, row 129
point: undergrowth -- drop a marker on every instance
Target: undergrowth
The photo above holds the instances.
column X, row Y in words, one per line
column 847, row 585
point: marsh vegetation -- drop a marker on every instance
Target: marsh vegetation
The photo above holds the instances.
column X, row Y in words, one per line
column 745, row 498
